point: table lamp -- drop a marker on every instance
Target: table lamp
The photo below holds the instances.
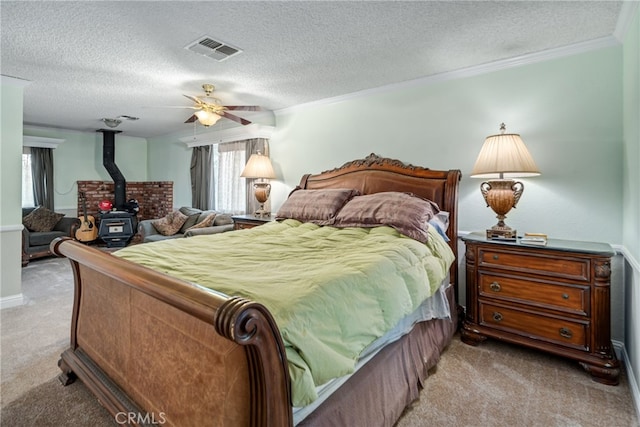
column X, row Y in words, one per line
column 503, row 157
column 259, row 167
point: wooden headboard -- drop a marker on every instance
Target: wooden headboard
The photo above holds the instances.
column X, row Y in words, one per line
column 376, row 174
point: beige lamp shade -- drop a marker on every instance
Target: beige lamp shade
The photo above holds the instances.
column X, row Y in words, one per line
column 207, row 118
column 258, row 166
column 504, row 156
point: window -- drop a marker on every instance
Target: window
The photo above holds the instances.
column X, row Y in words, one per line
column 230, row 194
column 27, row 181
column 215, row 175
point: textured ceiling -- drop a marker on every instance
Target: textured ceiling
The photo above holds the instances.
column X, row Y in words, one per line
column 88, row 60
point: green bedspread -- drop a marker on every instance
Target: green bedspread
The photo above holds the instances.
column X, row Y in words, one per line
column 331, row 291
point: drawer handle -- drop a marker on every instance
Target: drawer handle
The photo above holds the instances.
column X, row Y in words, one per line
column 566, row 333
column 495, row 257
column 565, row 296
column 497, row 316
column 495, row 287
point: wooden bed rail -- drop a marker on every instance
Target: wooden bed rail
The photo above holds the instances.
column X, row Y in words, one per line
column 234, row 324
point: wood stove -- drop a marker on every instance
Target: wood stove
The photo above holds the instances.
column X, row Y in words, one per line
column 118, row 226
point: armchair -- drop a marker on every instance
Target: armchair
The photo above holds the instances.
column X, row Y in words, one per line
column 35, row 244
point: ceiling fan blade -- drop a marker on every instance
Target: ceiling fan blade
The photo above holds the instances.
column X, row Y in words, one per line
column 192, row 119
column 176, row 106
column 194, row 99
column 243, row 107
column 236, row 118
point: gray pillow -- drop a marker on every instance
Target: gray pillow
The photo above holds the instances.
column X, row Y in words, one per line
column 193, row 216
column 223, row 219
column 188, row 211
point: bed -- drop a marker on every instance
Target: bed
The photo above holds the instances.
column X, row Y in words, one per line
column 153, row 347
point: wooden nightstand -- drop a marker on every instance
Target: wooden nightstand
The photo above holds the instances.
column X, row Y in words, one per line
column 553, row 298
column 249, row 221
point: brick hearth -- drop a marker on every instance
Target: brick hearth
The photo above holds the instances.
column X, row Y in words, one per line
column 154, row 197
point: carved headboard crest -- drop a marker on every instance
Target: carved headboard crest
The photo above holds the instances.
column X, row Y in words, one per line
column 375, row 174
column 374, row 159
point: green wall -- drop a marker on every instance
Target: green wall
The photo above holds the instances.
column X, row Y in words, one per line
column 11, row 106
column 631, row 201
column 169, row 160
column 631, row 184
column 79, row 158
column 568, row 111
column 11, row 153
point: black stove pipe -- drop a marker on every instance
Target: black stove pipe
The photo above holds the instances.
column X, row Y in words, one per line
column 108, row 160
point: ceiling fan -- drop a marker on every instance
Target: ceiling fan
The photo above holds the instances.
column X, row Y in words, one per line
column 210, row 109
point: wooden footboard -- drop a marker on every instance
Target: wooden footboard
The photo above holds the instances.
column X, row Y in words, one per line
column 156, row 349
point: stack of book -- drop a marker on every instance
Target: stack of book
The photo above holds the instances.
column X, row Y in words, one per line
column 534, row 239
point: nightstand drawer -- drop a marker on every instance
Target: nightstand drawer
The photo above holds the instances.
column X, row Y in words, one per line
column 572, row 299
column 544, row 263
column 564, row 331
column 243, row 225
column 242, row 222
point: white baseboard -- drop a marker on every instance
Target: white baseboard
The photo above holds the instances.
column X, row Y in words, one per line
column 621, row 353
column 11, row 301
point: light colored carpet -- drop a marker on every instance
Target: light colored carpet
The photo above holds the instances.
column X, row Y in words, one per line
column 494, row 384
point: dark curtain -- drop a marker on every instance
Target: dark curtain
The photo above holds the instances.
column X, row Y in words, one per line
column 255, row 145
column 201, row 176
column 42, row 175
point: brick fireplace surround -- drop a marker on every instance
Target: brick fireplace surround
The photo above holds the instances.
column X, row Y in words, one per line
column 154, row 197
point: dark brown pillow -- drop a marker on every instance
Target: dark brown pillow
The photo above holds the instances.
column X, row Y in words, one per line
column 170, row 224
column 407, row 213
column 315, row 206
column 41, row 219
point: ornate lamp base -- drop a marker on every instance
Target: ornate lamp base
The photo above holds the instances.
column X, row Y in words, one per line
column 262, row 190
column 501, row 233
column 261, row 212
column 501, row 195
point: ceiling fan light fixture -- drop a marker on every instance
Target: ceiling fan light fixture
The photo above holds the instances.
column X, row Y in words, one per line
column 207, row 118
column 208, row 89
column 112, row 123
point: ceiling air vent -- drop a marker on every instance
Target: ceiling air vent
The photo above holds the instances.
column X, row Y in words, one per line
column 215, row 49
